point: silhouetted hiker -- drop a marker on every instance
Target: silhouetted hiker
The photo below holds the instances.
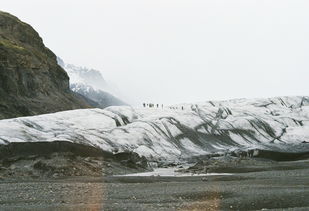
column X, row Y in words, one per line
column 242, row 154
column 157, row 105
column 181, row 107
column 250, row 153
column 144, row 105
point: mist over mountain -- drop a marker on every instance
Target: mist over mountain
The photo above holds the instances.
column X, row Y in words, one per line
column 91, row 84
column 103, row 99
column 84, row 75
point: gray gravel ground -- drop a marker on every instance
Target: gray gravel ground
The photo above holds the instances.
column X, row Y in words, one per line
column 264, row 190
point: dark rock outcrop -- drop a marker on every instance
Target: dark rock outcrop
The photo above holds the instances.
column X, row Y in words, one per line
column 31, row 81
column 61, row 159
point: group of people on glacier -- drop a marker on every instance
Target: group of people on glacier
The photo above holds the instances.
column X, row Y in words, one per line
column 152, row 105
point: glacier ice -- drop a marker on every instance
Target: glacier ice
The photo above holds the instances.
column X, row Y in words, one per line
column 280, row 123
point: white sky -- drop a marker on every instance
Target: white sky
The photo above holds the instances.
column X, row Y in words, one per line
column 172, row 51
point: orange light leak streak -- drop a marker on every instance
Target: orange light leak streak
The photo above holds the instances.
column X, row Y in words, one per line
column 209, row 202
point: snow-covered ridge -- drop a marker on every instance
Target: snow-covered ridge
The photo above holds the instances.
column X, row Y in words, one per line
column 91, row 84
column 171, row 134
column 82, row 75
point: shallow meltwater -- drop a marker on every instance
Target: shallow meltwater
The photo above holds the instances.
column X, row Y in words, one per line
column 168, row 172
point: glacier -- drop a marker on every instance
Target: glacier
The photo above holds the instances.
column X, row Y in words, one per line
column 177, row 132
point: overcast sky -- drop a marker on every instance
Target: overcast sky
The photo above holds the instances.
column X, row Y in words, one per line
column 173, row 51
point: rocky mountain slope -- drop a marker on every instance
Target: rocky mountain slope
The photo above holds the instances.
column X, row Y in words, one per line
column 179, row 133
column 91, row 84
column 31, row 81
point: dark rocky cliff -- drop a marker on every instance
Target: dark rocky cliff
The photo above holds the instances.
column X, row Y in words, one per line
column 31, row 81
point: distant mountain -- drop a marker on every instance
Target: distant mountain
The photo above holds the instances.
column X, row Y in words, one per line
column 103, row 99
column 91, row 84
column 31, row 81
column 83, row 75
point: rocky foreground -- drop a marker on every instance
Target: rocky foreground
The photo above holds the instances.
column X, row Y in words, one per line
column 26, row 161
column 66, row 176
column 273, row 189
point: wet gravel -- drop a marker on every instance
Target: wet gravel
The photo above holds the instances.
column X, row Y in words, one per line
column 264, row 190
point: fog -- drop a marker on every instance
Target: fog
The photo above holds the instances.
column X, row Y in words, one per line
column 174, row 51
